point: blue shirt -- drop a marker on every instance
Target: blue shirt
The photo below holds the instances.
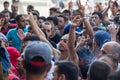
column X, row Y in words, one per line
column 12, row 35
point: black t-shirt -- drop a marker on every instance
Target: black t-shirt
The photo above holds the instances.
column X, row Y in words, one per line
column 56, row 38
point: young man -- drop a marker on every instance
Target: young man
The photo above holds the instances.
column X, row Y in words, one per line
column 37, row 60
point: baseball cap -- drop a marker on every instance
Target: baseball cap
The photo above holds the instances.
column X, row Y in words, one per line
column 102, row 37
column 37, row 49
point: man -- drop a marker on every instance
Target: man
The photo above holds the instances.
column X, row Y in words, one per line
column 7, row 25
column 17, row 34
column 66, row 71
column 37, row 60
column 14, row 8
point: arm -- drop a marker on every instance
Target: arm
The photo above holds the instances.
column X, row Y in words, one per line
column 41, row 35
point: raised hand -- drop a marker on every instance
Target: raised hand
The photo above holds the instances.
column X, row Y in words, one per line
column 1, row 22
column 21, row 34
column 81, row 8
column 77, row 21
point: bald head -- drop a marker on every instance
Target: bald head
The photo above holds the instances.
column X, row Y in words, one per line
column 111, row 47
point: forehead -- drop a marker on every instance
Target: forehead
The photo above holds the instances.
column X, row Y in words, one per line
column 95, row 15
column 65, row 37
column 46, row 26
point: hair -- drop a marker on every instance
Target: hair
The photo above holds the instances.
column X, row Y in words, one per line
column 36, row 70
column 99, row 71
column 116, row 4
column 67, row 11
column 18, row 17
column 6, row 2
column 43, row 18
column 98, row 13
column 36, row 14
column 30, row 7
column 65, row 19
column 53, row 9
column 31, row 37
column 5, row 11
column 115, row 76
column 54, row 19
column 69, row 69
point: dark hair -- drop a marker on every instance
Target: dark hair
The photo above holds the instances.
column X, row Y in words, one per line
column 30, row 7
column 65, row 19
column 115, row 76
column 98, row 13
column 67, row 11
column 5, row 11
column 6, row 2
column 69, row 69
column 18, row 17
column 30, row 69
column 43, row 18
column 36, row 14
column 116, row 4
column 53, row 9
column 99, row 71
column 54, row 19
column 31, row 37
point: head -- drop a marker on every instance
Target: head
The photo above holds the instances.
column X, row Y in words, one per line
column 6, row 5
column 37, row 59
column 112, row 48
column 30, row 8
column 96, row 18
column 111, row 60
column 61, row 21
column 101, row 37
column 53, row 21
column 99, row 70
column 14, row 8
column 65, row 71
column 6, row 16
column 115, row 76
column 36, row 16
column 20, row 20
column 46, row 27
column 67, row 14
column 63, row 43
column 41, row 20
column 52, row 11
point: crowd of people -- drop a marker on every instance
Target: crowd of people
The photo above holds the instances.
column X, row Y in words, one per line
column 66, row 45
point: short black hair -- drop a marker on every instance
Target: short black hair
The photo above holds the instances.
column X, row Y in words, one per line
column 18, row 17
column 54, row 19
column 30, row 7
column 43, row 18
column 98, row 13
column 5, row 11
column 6, row 2
column 65, row 19
column 99, row 70
column 31, row 37
column 67, row 11
column 115, row 76
column 53, row 9
column 116, row 4
column 69, row 69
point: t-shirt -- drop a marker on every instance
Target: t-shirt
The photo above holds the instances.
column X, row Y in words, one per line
column 12, row 35
column 56, row 38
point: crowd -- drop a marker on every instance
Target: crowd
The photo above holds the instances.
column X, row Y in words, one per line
column 66, row 45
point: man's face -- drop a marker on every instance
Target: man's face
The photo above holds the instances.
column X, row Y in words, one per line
column 47, row 29
column 6, row 16
column 61, row 22
column 6, row 6
column 21, row 22
column 63, row 43
column 95, row 19
column 14, row 8
column 67, row 15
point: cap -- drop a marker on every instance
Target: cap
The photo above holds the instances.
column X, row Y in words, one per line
column 37, row 49
column 102, row 37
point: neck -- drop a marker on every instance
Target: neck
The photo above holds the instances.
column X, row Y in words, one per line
column 14, row 14
column 64, row 55
column 6, row 24
column 35, row 77
column 61, row 31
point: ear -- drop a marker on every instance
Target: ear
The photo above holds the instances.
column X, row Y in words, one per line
column 49, row 67
column 62, row 77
